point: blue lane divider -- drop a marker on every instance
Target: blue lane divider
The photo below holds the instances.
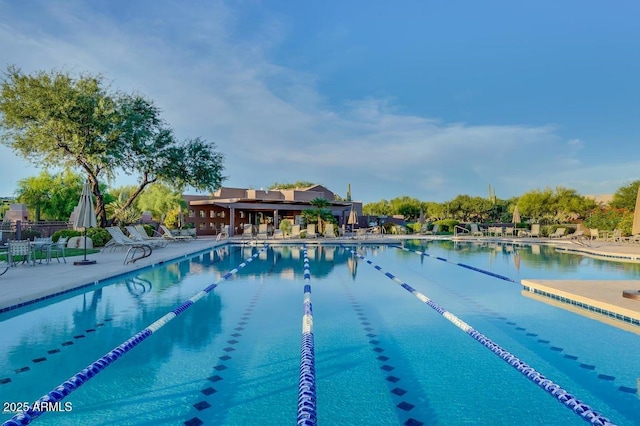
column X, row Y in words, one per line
column 78, row 379
column 307, row 415
column 553, row 389
column 473, row 268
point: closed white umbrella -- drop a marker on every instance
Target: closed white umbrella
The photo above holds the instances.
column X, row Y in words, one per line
column 353, row 218
column 635, row 230
column 85, row 218
column 516, row 216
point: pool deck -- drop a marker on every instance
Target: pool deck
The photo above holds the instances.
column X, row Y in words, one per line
column 28, row 284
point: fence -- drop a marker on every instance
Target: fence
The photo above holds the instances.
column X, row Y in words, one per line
column 19, row 230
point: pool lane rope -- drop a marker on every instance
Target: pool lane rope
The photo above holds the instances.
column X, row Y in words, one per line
column 80, row 378
column 553, row 389
column 473, row 268
column 307, row 414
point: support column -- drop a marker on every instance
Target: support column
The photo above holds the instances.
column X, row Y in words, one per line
column 232, row 221
column 275, row 219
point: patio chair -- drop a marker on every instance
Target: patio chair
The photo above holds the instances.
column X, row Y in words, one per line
column 278, row 234
column 311, row 231
column 559, row 233
column 263, row 231
column 295, row 231
column 329, row 231
column 144, row 238
column 20, row 249
column 118, row 239
column 224, row 233
column 161, row 241
column 475, row 230
column 168, row 235
column 40, row 246
column 508, row 231
column 58, row 249
column 247, row 231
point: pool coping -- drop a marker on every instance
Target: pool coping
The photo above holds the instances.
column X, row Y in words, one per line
column 597, row 299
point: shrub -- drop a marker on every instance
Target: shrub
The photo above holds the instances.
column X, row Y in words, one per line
column 99, row 236
column 285, row 226
column 66, row 233
column 446, row 225
column 150, row 229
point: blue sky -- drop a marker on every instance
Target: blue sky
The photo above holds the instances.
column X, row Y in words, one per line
column 429, row 99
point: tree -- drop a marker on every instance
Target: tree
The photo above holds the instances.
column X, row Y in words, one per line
column 34, row 192
column 407, row 206
column 625, row 196
column 55, row 120
column 160, row 199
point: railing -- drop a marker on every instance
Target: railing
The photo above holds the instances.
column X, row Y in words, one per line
column 460, row 230
column 27, row 230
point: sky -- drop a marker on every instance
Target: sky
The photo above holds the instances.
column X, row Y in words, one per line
column 429, row 99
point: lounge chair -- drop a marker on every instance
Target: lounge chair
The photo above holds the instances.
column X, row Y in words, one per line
column 295, row 231
column 633, row 239
column 475, row 230
column 311, row 231
column 594, row 234
column 224, row 233
column 119, row 240
column 144, row 238
column 508, row 231
column 263, row 231
column 559, row 233
column 247, row 231
column 168, row 235
column 329, row 231
column 278, row 234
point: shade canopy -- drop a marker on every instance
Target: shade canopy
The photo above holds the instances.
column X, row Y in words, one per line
column 635, row 230
column 85, row 215
column 516, row 216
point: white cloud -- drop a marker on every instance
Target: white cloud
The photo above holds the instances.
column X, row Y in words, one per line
column 272, row 123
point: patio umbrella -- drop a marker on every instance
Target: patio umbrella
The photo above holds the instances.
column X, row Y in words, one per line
column 516, row 216
column 635, row 230
column 421, row 219
column 353, row 218
column 85, row 218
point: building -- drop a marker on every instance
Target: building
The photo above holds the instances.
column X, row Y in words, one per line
column 234, row 207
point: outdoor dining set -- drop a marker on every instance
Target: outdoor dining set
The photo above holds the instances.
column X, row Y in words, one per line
column 41, row 249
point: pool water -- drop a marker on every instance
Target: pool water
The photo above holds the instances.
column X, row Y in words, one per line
column 381, row 355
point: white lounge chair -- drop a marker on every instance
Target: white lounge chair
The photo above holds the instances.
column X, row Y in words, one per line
column 329, row 231
column 247, row 231
column 168, row 235
column 311, row 231
column 475, row 230
column 118, row 239
column 161, row 241
column 559, row 233
column 143, row 238
column 263, row 231
column 295, row 231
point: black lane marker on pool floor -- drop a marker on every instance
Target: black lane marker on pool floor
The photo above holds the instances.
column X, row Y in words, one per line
column 210, row 391
column 570, row 401
column 387, row 365
column 543, row 341
column 77, row 337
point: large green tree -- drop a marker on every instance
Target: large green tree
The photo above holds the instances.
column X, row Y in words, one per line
column 625, row 196
column 56, row 120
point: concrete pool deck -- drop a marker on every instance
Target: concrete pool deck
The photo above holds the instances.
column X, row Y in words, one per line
column 24, row 285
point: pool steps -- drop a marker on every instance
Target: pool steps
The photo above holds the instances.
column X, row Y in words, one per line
column 568, row 400
column 77, row 380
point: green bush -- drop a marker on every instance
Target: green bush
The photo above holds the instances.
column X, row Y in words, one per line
column 285, row 226
column 608, row 220
column 68, row 233
column 446, row 225
column 150, row 229
column 99, row 236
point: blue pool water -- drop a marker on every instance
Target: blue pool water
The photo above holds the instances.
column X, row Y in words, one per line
column 381, row 355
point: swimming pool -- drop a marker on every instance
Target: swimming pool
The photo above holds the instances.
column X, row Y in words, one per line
column 381, row 355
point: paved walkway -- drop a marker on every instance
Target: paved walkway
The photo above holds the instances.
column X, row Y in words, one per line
column 26, row 284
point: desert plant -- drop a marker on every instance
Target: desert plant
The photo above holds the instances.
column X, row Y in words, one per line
column 99, row 236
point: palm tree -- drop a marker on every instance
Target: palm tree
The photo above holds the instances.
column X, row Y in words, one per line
column 321, row 204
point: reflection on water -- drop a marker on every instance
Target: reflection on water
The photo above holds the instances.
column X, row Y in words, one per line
column 534, row 256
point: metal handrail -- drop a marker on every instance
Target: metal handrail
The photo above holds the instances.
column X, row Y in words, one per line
column 461, row 228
